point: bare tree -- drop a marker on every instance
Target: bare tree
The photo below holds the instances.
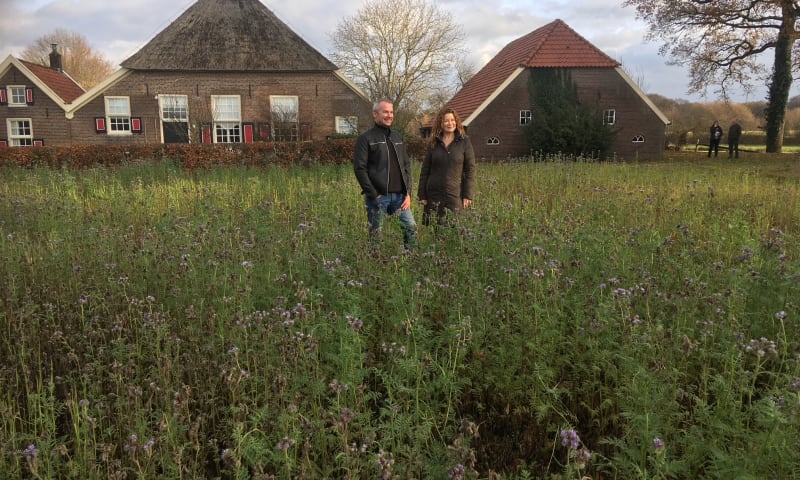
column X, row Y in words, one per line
column 464, row 71
column 723, row 42
column 399, row 49
column 78, row 59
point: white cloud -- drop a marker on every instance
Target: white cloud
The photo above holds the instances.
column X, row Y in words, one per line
column 119, row 29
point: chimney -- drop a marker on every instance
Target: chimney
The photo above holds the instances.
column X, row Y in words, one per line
column 55, row 58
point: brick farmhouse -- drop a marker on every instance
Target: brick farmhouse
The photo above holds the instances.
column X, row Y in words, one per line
column 225, row 71
column 495, row 104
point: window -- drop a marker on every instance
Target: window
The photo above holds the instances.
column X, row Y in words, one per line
column 347, row 125
column 118, row 113
column 227, row 118
column 20, row 133
column 492, row 141
column 174, row 108
column 16, row 95
column 525, row 117
column 285, row 113
column 638, row 139
column 174, row 118
column 609, row 117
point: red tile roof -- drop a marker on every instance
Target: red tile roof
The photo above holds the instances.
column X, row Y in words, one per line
column 59, row 82
column 553, row 45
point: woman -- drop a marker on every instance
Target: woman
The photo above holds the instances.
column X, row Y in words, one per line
column 448, row 169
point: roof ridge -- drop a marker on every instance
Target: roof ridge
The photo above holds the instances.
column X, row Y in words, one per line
column 547, row 31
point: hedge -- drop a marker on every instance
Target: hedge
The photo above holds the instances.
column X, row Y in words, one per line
column 190, row 157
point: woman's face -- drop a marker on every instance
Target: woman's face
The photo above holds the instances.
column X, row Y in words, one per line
column 449, row 123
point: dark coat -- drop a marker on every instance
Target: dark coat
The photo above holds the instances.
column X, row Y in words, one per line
column 371, row 161
column 734, row 132
column 715, row 134
column 448, row 174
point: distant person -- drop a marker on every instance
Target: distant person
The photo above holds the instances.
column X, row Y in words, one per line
column 383, row 170
column 714, row 137
column 734, row 134
column 448, row 169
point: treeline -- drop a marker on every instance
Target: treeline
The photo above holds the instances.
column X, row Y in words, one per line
column 692, row 120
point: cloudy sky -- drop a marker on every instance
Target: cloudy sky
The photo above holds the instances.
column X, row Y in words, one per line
column 118, row 29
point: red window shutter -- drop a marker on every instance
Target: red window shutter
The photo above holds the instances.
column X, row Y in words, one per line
column 136, row 124
column 38, row 142
column 248, row 132
column 29, row 96
column 100, row 124
column 3, row 142
column 3, row 96
column 205, row 134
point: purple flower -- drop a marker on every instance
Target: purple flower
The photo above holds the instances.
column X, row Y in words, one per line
column 285, row 444
column 31, row 452
column 347, row 415
column 457, row 472
column 796, row 384
column 658, row 443
column 355, row 323
column 569, row 438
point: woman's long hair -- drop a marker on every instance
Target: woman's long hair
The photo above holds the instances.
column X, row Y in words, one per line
column 437, row 125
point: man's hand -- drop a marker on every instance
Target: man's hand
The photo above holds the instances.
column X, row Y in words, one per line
column 406, row 203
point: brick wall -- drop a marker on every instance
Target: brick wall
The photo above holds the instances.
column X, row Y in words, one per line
column 322, row 96
column 48, row 120
column 601, row 88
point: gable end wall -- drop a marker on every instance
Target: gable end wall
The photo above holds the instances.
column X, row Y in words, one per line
column 48, row 119
column 600, row 87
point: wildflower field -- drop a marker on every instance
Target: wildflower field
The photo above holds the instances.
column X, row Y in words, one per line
column 601, row 320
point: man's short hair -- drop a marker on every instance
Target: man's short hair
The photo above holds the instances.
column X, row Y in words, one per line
column 376, row 105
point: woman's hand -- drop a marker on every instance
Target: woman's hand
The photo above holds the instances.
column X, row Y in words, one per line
column 466, row 202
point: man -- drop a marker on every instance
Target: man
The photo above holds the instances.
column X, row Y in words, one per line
column 383, row 170
column 734, row 134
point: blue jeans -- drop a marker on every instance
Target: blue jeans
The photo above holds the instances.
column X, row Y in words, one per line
column 389, row 204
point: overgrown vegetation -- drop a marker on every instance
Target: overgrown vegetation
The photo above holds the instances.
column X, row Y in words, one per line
column 560, row 123
column 632, row 321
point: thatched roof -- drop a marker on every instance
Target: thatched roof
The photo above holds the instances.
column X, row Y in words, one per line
column 228, row 35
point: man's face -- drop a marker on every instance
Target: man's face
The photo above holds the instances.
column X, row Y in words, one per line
column 384, row 115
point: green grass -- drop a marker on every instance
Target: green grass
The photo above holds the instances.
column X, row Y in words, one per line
column 631, row 321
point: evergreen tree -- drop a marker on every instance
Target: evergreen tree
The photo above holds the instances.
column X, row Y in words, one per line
column 561, row 123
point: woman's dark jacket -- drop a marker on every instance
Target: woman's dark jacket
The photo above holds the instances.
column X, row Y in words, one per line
column 371, row 160
column 448, row 173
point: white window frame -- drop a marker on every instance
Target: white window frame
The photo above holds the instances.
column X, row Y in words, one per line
column 227, row 115
column 525, row 117
column 17, row 95
column 493, row 140
column 173, row 108
column 118, row 115
column 609, row 116
column 285, row 118
column 17, row 138
column 347, row 125
column 638, row 139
